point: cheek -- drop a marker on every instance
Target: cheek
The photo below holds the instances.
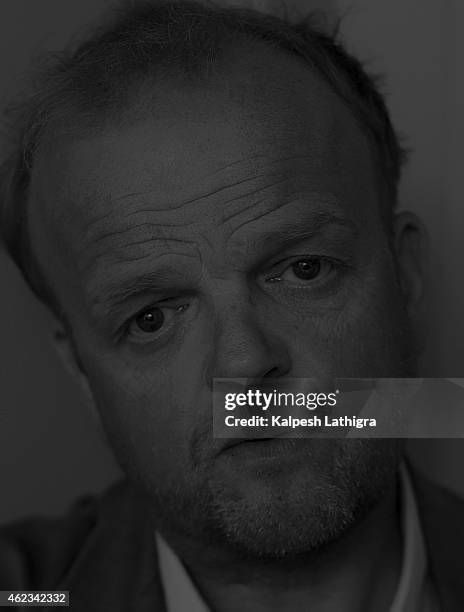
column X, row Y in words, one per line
column 368, row 337
column 148, row 414
column 153, row 403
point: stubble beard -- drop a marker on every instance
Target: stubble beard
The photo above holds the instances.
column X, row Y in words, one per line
column 285, row 516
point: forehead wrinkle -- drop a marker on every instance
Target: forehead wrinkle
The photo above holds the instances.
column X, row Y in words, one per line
column 207, row 195
column 138, row 227
column 315, row 219
column 266, row 157
column 118, row 253
column 121, row 200
column 110, row 243
column 289, row 199
column 160, row 224
column 222, row 202
column 96, row 221
column 251, row 193
column 238, row 162
column 89, row 227
column 200, row 197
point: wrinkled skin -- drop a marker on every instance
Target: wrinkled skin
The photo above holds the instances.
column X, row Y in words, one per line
column 197, row 207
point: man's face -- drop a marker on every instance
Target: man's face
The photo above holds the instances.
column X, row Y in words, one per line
column 233, row 231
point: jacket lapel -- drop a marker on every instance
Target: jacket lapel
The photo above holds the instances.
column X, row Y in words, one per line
column 117, row 567
column 442, row 518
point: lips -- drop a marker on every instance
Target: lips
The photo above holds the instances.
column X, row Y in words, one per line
column 236, row 441
column 233, row 442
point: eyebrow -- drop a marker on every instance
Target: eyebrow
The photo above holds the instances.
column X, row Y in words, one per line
column 113, row 295
column 308, row 227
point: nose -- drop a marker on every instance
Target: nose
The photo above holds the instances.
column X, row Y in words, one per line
column 247, row 345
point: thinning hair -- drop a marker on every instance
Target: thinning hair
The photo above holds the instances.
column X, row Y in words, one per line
column 90, row 84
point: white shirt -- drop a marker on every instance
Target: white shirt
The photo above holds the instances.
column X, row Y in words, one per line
column 414, row 593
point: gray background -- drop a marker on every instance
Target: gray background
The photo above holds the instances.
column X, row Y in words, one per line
column 50, row 448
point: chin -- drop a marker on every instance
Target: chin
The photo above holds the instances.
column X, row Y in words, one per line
column 277, row 515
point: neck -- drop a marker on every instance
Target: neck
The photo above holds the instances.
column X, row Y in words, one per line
column 359, row 572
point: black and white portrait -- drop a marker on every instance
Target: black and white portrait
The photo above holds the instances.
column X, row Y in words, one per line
column 262, row 194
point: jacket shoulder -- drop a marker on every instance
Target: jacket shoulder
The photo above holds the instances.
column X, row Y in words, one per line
column 35, row 553
column 440, row 507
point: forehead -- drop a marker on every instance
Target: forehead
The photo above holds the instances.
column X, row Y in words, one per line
column 263, row 120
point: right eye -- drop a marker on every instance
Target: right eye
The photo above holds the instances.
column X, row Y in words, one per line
column 152, row 322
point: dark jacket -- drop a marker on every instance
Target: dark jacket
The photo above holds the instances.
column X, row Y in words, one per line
column 103, row 552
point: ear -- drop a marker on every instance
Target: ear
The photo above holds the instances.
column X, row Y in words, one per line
column 411, row 247
column 65, row 348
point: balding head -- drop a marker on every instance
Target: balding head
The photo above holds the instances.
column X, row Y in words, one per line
column 113, row 74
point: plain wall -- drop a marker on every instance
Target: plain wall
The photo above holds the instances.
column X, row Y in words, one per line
column 416, row 44
column 50, row 448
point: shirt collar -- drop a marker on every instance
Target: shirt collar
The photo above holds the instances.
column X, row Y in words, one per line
column 179, row 591
column 412, row 586
column 181, row 594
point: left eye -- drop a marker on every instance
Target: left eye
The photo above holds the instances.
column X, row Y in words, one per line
column 150, row 321
column 305, row 269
